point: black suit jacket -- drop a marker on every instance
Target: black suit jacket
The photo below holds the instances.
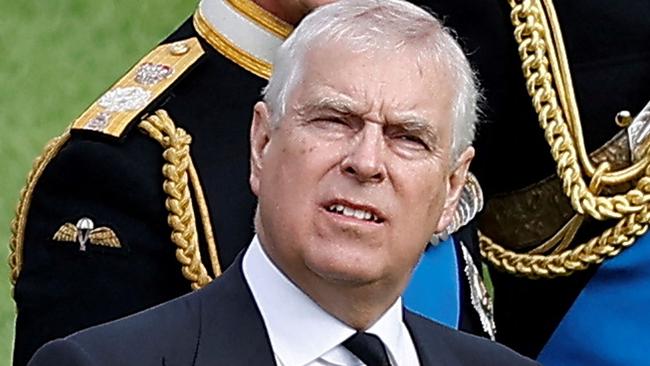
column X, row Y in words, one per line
column 221, row 324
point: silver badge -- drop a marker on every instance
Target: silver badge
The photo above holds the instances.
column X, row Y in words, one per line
column 638, row 132
column 99, row 122
column 479, row 295
column 125, row 99
column 150, row 73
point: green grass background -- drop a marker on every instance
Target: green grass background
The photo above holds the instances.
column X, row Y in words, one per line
column 57, row 57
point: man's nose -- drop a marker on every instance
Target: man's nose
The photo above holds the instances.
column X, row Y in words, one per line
column 365, row 158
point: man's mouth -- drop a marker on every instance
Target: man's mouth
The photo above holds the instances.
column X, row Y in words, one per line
column 360, row 213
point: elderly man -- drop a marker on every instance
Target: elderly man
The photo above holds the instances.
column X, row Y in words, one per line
column 160, row 209
column 358, row 156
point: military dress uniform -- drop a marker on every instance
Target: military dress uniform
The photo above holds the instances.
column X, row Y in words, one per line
column 564, row 171
column 146, row 195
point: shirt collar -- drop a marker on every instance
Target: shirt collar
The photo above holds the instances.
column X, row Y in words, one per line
column 390, row 328
column 299, row 330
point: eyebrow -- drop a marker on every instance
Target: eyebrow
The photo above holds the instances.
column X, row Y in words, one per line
column 417, row 125
column 407, row 121
column 340, row 104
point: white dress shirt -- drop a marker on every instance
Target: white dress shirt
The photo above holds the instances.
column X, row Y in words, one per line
column 302, row 333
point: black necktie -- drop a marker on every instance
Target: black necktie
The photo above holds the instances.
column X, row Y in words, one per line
column 368, row 348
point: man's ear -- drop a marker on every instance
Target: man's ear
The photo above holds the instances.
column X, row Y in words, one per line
column 455, row 184
column 260, row 137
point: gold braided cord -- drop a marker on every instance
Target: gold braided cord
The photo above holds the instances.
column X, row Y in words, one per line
column 176, row 143
column 531, row 33
column 595, row 251
column 538, row 49
column 562, row 238
column 205, row 219
column 562, row 75
column 19, row 222
column 571, row 230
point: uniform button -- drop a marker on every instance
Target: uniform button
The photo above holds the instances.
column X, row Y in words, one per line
column 179, row 48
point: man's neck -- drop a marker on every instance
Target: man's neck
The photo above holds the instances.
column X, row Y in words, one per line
column 288, row 10
column 358, row 306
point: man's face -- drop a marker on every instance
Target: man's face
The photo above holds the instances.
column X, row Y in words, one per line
column 358, row 174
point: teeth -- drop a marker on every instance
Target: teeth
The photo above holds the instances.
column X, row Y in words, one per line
column 351, row 212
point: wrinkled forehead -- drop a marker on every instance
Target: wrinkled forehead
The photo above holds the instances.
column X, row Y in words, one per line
column 398, row 81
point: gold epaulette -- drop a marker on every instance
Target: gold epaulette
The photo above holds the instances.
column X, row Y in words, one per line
column 113, row 112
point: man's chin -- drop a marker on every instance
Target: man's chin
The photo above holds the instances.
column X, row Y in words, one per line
column 346, row 275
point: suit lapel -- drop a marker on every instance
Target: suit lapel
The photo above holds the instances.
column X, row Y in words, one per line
column 429, row 343
column 232, row 330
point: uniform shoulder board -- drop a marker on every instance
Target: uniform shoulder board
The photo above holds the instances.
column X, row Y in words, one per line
column 112, row 113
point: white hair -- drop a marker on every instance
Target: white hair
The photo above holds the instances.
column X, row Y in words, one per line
column 368, row 25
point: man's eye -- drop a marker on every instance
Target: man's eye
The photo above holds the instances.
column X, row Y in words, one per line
column 411, row 142
column 335, row 120
column 330, row 122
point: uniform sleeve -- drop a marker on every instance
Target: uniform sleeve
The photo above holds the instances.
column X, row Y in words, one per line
column 61, row 352
column 62, row 288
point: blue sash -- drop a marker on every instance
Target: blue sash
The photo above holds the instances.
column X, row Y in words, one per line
column 434, row 288
column 609, row 323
